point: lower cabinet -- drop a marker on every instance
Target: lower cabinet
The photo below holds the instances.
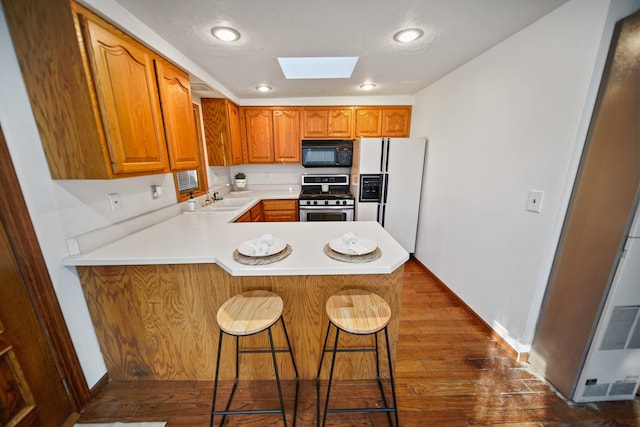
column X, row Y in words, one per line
column 252, row 215
column 285, row 210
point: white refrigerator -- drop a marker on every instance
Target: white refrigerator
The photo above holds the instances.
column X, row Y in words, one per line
column 386, row 180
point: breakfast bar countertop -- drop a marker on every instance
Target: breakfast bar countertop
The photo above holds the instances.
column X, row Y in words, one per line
column 193, row 238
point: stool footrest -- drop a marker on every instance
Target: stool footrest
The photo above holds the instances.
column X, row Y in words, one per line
column 347, row 410
column 263, row 351
column 351, row 350
column 248, row 412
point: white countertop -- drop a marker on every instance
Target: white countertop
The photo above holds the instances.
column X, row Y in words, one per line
column 201, row 237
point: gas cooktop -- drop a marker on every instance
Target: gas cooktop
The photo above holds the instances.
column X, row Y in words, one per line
column 325, row 188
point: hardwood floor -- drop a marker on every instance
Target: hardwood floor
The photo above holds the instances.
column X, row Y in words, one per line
column 449, row 372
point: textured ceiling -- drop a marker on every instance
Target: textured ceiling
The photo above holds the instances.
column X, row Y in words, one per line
column 455, row 32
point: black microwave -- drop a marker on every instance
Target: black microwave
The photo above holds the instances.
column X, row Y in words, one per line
column 327, row 153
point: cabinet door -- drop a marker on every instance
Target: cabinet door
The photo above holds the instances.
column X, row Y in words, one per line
column 368, row 122
column 286, row 135
column 280, row 210
column 234, row 133
column 314, row 123
column 396, row 122
column 340, row 123
column 259, row 135
column 175, row 98
column 214, row 119
column 256, row 213
column 245, row 217
column 128, row 98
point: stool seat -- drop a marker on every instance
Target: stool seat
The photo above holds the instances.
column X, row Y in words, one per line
column 358, row 312
column 249, row 312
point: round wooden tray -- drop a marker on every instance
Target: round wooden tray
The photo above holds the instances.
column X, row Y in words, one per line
column 261, row 260
column 375, row 254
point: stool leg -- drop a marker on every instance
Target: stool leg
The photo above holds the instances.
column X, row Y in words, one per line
column 215, row 381
column 295, row 369
column 333, row 362
column 379, row 377
column 275, row 368
column 324, row 347
column 393, row 387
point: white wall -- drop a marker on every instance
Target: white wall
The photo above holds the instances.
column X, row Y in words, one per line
column 511, row 120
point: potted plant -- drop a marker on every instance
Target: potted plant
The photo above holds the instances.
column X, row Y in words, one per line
column 240, row 180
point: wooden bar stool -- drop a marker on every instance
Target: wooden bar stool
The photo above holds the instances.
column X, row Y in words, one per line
column 247, row 314
column 357, row 312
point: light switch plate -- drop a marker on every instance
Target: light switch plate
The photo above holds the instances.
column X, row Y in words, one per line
column 534, row 202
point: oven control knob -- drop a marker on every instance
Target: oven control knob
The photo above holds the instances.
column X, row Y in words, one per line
column 326, row 202
column 315, row 202
column 337, row 202
column 344, row 202
column 308, row 202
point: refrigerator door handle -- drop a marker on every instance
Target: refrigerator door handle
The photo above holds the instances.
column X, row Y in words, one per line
column 385, row 187
column 381, row 219
column 381, row 154
column 386, row 156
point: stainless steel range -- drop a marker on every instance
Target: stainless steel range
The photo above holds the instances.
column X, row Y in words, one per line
column 325, row 198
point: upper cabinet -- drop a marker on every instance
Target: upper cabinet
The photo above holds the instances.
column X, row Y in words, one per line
column 382, row 121
column 177, row 115
column 272, row 134
column 106, row 106
column 327, row 122
column 286, row 135
column 222, row 132
column 259, row 134
column 127, row 93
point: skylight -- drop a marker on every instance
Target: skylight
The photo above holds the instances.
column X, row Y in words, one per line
column 337, row 67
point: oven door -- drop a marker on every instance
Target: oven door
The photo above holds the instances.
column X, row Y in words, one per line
column 308, row 214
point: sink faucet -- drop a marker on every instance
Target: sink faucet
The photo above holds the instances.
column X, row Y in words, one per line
column 216, row 196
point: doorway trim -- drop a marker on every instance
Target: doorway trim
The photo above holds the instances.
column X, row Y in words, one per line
column 15, row 216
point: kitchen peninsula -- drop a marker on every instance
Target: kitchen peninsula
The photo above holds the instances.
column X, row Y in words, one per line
column 153, row 295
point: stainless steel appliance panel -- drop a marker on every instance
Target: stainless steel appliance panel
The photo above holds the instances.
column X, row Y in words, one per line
column 593, row 234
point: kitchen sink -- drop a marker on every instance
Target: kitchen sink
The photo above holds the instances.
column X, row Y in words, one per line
column 226, row 205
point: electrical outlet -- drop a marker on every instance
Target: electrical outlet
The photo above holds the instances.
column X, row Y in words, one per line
column 114, row 202
column 534, row 202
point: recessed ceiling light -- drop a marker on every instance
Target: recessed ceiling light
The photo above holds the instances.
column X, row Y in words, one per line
column 409, row 35
column 263, row 88
column 367, row 86
column 226, row 34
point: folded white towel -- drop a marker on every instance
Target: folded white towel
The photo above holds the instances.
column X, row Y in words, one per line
column 349, row 238
column 353, row 244
column 259, row 248
column 267, row 239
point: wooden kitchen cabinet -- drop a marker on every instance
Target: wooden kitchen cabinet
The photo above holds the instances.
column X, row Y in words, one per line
column 286, row 135
column 259, row 135
column 280, row 210
column 221, row 119
column 331, row 122
column 382, row 121
column 127, row 97
column 257, row 213
column 177, row 115
column 252, row 215
column 272, row 134
column 94, row 93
